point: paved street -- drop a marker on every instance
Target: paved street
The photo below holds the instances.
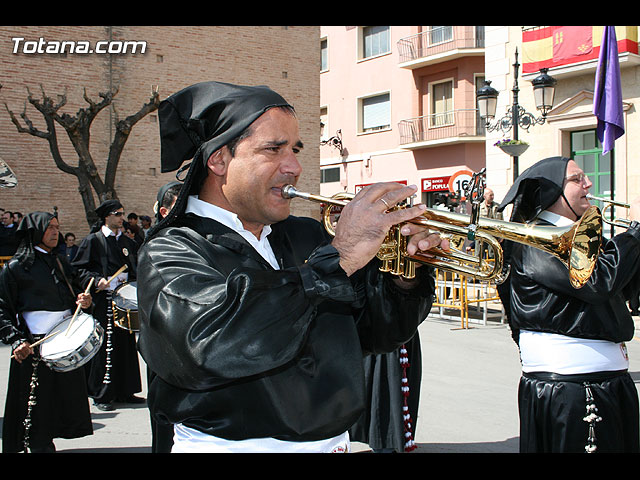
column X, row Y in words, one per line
column 467, row 401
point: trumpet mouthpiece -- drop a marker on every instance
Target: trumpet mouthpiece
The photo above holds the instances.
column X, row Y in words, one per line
column 288, row 191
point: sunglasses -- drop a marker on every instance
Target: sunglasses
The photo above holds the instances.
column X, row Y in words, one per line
column 117, row 214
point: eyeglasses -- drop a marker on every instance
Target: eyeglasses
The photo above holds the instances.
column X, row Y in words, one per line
column 579, row 178
column 117, row 214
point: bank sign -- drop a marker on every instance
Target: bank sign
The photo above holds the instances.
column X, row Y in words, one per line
column 435, row 184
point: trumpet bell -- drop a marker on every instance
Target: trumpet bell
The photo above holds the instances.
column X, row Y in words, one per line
column 585, row 247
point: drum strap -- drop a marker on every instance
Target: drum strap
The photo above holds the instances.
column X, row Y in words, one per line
column 73, row 295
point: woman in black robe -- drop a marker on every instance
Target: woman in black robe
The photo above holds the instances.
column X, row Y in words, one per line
column 575, row 392
column 35, row 280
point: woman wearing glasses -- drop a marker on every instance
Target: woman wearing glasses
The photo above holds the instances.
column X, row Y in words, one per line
column 575, row 393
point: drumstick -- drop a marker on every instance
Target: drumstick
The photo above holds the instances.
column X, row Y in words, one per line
column 34, row 344
column 87, row 290
column 120, row 270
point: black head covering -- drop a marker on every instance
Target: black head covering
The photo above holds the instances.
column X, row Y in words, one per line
column 103, row 212
column 29, row 234
column 160, row 197
column 107, row 207
column 200, row 119
column 206, row 116
column 536, row 189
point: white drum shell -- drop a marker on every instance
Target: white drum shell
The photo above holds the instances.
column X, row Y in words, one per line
column 67, row 351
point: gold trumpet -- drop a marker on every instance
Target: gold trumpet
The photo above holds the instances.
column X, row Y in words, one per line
column 616, row 222
column 576, row 246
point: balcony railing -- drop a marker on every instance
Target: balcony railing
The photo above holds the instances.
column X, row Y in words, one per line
column 440, row 40
column 441, row 126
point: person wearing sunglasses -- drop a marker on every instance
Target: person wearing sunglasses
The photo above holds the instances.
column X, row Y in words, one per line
column 114, row 373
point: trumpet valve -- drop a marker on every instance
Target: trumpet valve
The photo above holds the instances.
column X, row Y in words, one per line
column 385, row 265
column 409, row 270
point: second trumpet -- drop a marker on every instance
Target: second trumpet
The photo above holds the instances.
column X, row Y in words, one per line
column 616, row 222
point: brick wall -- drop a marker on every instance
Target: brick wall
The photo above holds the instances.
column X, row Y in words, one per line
column 285, row 58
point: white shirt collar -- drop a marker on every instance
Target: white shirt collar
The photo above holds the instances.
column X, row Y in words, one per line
column 106, row 231
column 555, row 219
column 225, row 217
column 231, row 220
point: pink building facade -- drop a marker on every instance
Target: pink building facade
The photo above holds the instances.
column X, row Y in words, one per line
column 398, row 103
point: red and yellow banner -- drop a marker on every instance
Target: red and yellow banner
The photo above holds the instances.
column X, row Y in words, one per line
column 548, row 47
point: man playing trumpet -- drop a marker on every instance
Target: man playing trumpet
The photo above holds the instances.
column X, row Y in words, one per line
column 255, row 321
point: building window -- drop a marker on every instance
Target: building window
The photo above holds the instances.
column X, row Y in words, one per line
column 328, row 175
column 324, row 55
column 441, row 104
column 375, row 41
column 439, row 34
column 586, row 151
column 375, row 113
column 480, row 124
column 324, row 123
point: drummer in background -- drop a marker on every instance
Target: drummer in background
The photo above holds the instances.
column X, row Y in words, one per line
column 166, row 199
column 34, row 297
column 114, row 373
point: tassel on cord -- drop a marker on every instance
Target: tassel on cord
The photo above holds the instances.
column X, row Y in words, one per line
column 591, row 418
column 31, row 403
column 409, row 444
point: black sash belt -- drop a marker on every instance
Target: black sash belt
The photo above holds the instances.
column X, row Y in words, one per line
column 594, row 377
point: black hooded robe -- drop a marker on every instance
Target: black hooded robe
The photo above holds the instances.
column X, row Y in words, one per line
column 385, row 425
column 252, row 352
column 61, row 409
column 553, row 406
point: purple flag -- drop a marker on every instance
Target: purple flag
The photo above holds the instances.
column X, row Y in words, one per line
column 607, row 94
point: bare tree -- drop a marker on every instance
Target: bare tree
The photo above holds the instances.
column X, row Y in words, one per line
column 78, row 130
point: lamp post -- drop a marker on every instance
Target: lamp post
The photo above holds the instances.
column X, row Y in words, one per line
column 516, row 116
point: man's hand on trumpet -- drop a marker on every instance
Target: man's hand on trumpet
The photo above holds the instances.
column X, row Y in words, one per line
column 367, row 218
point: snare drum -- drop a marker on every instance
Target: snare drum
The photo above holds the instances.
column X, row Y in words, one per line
column 65, row 351
column 124, row 301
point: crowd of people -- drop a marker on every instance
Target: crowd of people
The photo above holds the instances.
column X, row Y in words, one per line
column 67, row 244
column 241, row 304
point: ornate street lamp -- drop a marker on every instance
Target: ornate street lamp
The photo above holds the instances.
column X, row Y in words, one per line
column 544, row 88
column 487, row 98
column 516, row 116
